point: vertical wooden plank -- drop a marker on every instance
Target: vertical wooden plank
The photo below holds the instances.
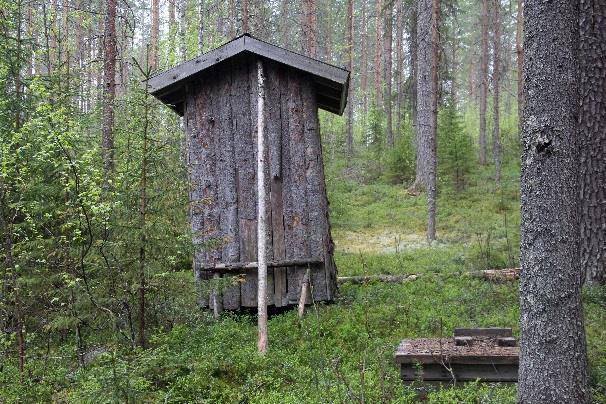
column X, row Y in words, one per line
column 296, row 219
column 275, row 79
column 248, row 241
column 245, row 175
column 317, row 229
column 228, row 197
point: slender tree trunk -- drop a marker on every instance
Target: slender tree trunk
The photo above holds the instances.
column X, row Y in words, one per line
column 364, row 69
column 387, row 51
column 414, row 74
column 310, row 27
column 261, row 214
column 399, row 65
column 109, row 86
column 377, row 62
column 350, row 98
column 520, row 61
column 284, row 24
column 428, row 14
column 483, row 81
column 496, row 79
column 245, row 15
column 593, row 138
column 553, row 358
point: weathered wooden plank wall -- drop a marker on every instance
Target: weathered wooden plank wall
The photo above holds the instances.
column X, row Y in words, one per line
column 220, row 117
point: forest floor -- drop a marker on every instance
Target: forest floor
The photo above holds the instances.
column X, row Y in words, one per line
column 343, row 352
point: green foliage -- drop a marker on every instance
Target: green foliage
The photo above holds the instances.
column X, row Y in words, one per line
column 455, row 152
column 400, row 160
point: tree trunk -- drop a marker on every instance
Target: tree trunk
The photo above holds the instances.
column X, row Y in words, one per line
column 350, row 50
column 428, row 14
column 496, row 77
column 387, row 50
column 414, row 74
column 377, row 62
column 109, row 87
column 364, row 67
column 553, row 359
column 520, row 61
column 399, row 65
column 261, row 214
column 593, row 138
column 310, row 27
column 483, row 81
column 245, row 15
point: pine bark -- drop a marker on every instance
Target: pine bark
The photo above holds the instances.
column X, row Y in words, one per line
column 245, row 16
column 593, row 138
column 109, row 86
column 399, row 74
column 428, row 14
column 350, row 50
column 553, row 359
column 496, row 80
column 520, row 60
column 483, row 81
column 310, row 27
column 414, row 73
column 387, row 58
column 378, row 49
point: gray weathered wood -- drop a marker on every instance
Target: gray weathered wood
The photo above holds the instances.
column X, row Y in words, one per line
column 330, row 82
column 236, row 266
column 507, row 373
column 483, row 332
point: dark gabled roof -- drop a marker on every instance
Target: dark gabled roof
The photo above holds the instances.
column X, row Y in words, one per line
column 331, row 82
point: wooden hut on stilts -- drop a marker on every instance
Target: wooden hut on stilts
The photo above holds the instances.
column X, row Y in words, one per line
column 216, row 95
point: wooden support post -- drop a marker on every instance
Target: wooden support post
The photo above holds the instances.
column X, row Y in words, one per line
column 304, row 293
column 261, row 215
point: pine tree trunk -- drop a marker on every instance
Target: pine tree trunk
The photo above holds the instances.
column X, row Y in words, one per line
column 483, row 81
column 496, row 78
column 245, row 15
column 364, row 68
column 520, row 61
column 414, row 73
column 350, row 50
column 553, row 359
column 310, row 27
column 428, row 14
column 399, row 74
column 593, row 138
column 377, row 61
column 387, row 50
column 109, row 87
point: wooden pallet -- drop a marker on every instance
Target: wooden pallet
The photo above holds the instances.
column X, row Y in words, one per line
column 471, row 354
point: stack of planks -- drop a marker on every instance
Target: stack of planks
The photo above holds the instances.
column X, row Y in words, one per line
column 220, row 120
column 485, row 354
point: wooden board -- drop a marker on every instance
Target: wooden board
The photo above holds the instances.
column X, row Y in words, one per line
column 483, row 332
column 438, row 350
column 507, row 373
